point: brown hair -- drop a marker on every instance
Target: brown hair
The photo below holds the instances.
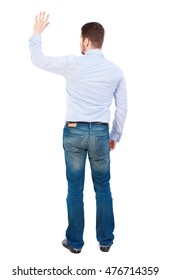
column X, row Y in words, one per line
column 94, row 31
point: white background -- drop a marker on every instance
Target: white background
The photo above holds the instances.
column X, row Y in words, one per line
column 32, row 111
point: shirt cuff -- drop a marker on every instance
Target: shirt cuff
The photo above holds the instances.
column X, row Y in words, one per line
column 35, row 38
column 115, row 136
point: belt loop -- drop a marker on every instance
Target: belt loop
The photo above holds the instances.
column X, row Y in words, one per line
column 90, row 127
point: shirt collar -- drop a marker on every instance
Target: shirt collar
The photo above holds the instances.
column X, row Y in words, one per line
column 94, row 51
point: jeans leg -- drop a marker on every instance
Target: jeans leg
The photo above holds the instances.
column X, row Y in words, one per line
column 75, row 158
column 99, row 156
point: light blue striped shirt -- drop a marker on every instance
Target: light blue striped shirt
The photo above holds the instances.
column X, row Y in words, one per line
column 92, row 82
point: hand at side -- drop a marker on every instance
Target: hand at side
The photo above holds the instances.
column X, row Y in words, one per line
column 112, row 145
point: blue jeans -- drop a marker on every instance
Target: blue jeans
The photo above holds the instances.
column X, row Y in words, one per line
column 78, row 142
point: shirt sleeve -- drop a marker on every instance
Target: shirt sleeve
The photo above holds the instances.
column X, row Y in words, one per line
column 55, row 65
column 120, row 97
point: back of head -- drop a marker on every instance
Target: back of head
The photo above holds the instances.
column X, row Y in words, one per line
column 94, row 31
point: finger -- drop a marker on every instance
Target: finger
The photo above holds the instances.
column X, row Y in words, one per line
column 46, row 19
column 43, row 16
column 40, row 17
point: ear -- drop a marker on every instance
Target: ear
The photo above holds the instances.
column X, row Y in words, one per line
column 86, row 42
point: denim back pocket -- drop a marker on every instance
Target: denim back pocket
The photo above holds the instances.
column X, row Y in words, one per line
column 102, row 146
column 72, row 139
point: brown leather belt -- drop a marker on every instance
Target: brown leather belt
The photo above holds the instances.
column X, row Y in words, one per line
column 96, row 123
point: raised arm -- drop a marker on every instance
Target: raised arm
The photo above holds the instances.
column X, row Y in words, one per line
column 56, row 64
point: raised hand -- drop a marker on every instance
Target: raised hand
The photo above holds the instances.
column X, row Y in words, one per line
column 41, row 22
